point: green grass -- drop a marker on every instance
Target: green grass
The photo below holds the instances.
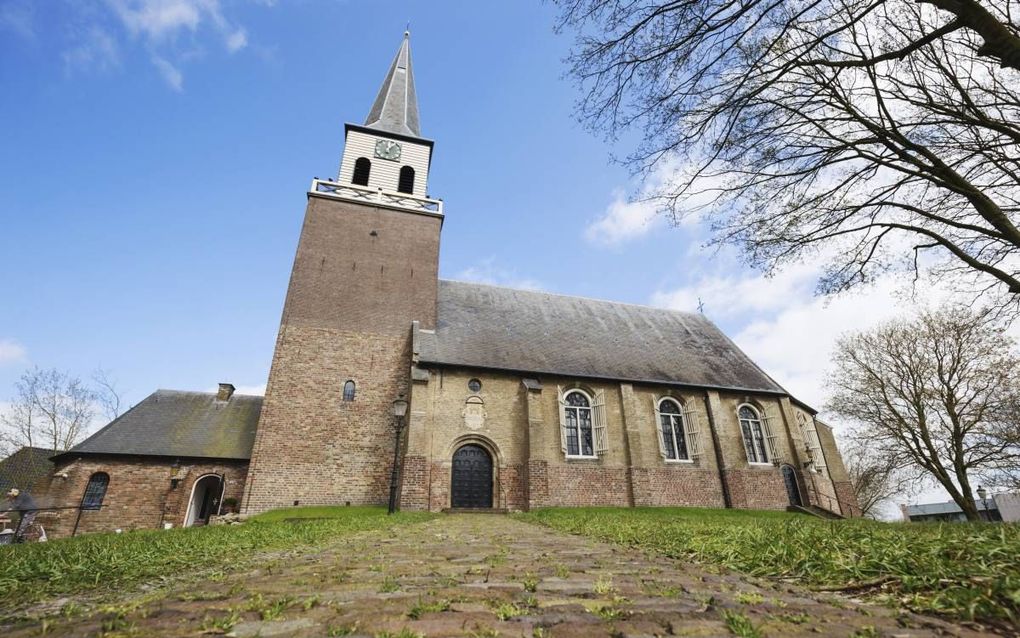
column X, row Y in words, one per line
column 964, row 571
column 111, row 562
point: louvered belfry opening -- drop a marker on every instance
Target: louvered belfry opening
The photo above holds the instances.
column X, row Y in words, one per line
column 362, row 169
column 406, row 182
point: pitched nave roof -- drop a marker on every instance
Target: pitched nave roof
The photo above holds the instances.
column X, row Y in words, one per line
column 541, row 333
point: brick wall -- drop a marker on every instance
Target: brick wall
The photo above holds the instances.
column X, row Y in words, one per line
column 586, row 484
column 139, row 494
column 677, row 486
column 758, row 488
column 311, row 446
column 361, row 275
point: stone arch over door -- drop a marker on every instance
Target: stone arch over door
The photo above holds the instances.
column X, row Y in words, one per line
column 496, row 460
column 205, row 500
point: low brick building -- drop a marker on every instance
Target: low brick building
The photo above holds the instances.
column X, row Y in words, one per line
column 515, row 399
column 170, row 461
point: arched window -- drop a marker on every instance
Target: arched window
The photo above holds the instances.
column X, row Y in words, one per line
column 577, row 408
column 754, row 436
column 95, row 491
column 362, row 167
column 814, row 445
column 349, row 391
column 406, row 182
column 674, row 438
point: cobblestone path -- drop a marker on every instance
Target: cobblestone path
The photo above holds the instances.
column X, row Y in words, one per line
column 486, row 575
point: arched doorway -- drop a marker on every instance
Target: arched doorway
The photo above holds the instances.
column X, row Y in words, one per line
column 471, row 480
column 792, row 489
column 206, row 495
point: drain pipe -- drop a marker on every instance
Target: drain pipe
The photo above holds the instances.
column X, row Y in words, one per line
column 727, row 501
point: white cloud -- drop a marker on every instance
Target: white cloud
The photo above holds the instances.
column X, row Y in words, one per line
column 741, row 295
column 11, row 351
column 96, row 50
column 237, row 41
column 629, row 217
column 623, row 220
column 159, row 25
column 488, row 272
column 173, row 77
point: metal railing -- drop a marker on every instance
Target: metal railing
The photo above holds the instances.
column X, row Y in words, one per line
column 357, row 193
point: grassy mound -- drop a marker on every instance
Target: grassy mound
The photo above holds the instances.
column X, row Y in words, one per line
column 965, row 571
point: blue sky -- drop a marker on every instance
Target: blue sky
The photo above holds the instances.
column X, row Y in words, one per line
column 155, row 156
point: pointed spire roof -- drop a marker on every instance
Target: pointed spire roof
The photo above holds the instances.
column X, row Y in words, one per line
column 396, row 107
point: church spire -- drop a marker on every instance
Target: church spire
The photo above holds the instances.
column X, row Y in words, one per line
column 396, row 107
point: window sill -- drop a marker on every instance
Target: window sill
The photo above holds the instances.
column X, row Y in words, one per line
column 576, row 457
column 679, row 461
column 760, row 464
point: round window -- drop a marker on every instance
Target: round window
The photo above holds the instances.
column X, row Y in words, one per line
column 474, row 385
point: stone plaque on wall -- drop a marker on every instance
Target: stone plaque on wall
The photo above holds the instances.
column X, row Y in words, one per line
column 474, row 413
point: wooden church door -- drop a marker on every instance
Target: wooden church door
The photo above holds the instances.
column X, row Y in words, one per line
column 471, row 483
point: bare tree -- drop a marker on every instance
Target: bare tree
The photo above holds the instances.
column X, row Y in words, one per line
column 52, row 410
column 876, row 479
column 933, row 396
column 107, row 394
column 870, row 134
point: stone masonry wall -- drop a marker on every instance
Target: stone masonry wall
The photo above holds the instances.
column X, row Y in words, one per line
column 139, row 495
column 520, row 426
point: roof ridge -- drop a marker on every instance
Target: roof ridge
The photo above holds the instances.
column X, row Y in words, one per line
column 582, row 297
column 208, row 394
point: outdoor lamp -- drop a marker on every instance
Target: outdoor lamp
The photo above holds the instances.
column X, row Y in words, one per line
column 982, row 492
column 399, row 408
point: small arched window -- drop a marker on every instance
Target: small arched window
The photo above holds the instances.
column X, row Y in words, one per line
column 577, row 410
column 754, row 435
column 95, row 491
column 406, row 182
column 674, row 438
column 362, row 168
column 349, row 391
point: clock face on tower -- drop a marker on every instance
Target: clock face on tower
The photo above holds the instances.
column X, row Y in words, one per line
column 387, row 149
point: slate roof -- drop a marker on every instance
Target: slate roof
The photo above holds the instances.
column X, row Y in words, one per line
column 24, row 468
column 541, row 333
column 180, row 424
column 948, row 507
column 396, row 107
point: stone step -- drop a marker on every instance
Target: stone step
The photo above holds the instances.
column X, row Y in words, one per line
column 474, row 510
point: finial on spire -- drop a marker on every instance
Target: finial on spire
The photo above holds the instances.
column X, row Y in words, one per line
column 396, row 107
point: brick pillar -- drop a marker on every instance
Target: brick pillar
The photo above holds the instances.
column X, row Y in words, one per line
column 536, row 477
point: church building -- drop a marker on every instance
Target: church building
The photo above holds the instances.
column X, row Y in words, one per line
column 388, row 380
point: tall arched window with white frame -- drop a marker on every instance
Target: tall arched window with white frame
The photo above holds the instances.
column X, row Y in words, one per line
column 672, row 430
column 577, row 410
column 754, row 435
column 811, row 441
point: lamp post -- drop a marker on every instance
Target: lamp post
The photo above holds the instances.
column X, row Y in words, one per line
column 983, row 495
column 399, row 410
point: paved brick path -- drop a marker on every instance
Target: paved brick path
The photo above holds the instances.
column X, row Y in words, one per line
column 485, row 575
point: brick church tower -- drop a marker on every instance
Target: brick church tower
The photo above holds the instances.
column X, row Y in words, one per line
column 366, row 268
